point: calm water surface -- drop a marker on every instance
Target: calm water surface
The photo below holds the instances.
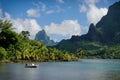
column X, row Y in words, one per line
column 88, row 69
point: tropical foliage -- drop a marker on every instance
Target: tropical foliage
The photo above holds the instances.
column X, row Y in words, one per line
column 15, row 47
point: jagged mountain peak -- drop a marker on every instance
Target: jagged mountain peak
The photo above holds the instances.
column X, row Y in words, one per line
column 43, row 37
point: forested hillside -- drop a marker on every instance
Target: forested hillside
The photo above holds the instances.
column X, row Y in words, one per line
column 17, row 47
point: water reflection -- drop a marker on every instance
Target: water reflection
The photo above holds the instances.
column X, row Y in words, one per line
column 85, row 70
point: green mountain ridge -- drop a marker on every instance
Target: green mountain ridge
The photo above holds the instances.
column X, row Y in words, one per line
column 105, row 32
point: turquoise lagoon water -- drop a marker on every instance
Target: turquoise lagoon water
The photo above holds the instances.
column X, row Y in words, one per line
column 87, row 69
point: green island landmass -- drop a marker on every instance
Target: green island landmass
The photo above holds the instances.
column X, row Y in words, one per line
column 101, row 41
column 16, row 47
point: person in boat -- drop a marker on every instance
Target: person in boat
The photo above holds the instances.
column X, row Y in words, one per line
column 26, row 64
column 33, row 64
column 30, row 65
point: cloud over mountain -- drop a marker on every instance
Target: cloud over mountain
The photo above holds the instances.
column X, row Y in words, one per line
column 66, row 28
column 33, row 13
column 83, row 8
column 60, row 1
column 30, row 25
column 93, row 13
column 19, row 24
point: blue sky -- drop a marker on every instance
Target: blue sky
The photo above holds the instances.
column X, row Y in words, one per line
column 59, row 18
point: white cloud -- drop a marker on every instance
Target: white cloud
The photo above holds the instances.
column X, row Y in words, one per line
column 83, row 8
column 94, row 14
column 50, row 12
column 30, row 25
column 33, row 13
column 43, row 7
column 91, row 1
column 66, row 28
column 84, row 29
column 105, row 1
column 54, row 9
column 60, row 1
column 58, row 9
column 0, row 13
column 7, row 16
column 19, row 25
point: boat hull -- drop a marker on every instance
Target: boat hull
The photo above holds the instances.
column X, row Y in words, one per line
column 30, row 66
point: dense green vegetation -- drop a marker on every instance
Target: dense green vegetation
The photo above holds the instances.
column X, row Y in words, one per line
column 88, row 49
column 105, row 52
column 17, row 47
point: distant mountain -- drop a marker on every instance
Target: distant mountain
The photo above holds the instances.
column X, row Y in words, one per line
column 43, row 37
column 106, row 31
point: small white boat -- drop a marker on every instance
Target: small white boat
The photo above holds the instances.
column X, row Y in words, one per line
column 30, row 66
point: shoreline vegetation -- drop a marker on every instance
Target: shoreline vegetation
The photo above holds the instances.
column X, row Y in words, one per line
column 31, row 61
column 16, row 47
column 101, row 42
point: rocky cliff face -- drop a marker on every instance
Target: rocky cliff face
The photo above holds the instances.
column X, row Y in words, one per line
column 94, row 34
